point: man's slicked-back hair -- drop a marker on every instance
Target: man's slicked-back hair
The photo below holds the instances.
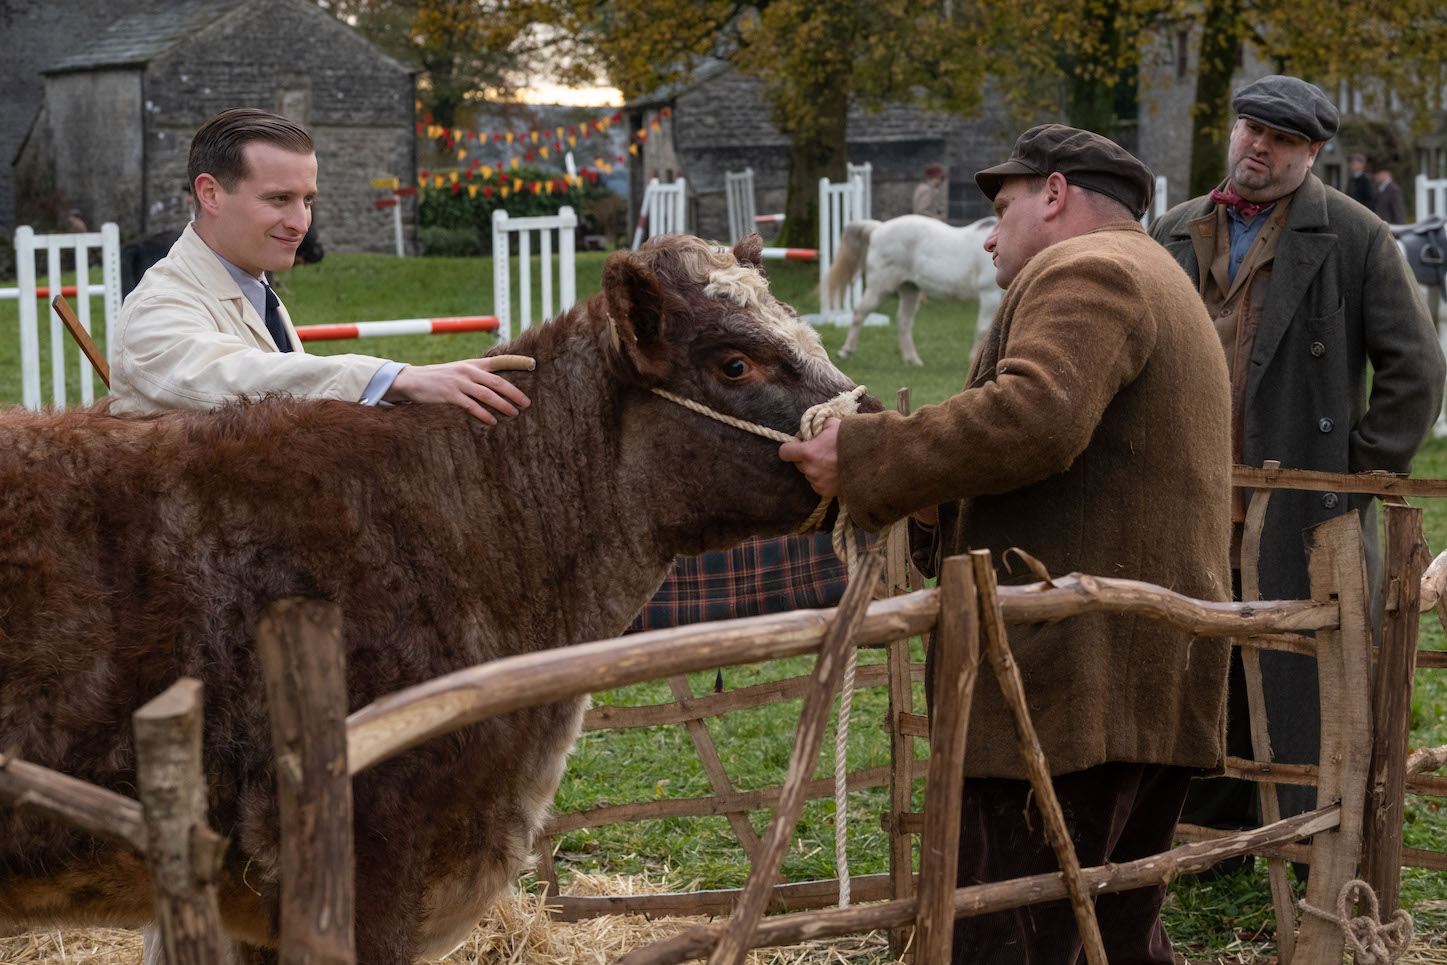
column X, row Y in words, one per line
column 218, row 147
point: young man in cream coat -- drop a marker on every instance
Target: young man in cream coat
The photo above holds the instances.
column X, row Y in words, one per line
column 203, row 328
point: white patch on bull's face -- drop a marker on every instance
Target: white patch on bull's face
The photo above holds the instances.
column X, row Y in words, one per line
column 746, row 288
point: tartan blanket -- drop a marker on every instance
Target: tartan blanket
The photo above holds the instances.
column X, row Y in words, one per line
column 758, row 576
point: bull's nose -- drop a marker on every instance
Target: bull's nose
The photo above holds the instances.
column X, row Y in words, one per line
column 869, row 403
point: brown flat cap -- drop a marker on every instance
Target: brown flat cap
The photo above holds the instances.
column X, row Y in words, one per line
column 1287, row 104
column 1087, row 160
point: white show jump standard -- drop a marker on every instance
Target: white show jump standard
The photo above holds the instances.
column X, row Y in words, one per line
column 27, row 245
column 663, row 211
column 1431, row 197
column 739, row 193
column 400, row 326
column 839, row 204
column 565, row 223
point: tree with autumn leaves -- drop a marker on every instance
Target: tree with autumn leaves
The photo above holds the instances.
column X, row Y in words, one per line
column 1071, row 59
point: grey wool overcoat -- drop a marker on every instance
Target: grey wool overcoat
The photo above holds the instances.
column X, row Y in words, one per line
column 1341, row 296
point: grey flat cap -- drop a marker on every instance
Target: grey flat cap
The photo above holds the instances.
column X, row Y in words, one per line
column 1086, row 159
column 1288, row 104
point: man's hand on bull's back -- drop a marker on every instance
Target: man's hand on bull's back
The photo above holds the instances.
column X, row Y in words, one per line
column 469, row 383
column 817, row 459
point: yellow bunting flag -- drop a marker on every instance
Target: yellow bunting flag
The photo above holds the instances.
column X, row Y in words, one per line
column 421, row 180
column 437, row 180
column 504, row 191
column 560, row 133
column 535, row 136
column 508, row 136
column 655, row 124
column 452, row 176
column 472, row 190
column 515, row 163
column 641, row 133
column 486, row 173
column 543, row 151
column 572, row 140
column 633, row 149
column 517, row 184
column 457, row 133
column 461, row 153
column 417, row 105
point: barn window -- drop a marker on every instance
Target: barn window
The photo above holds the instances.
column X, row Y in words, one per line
column 295, row 104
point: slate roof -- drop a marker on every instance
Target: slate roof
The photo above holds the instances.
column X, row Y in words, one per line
column 140, row 38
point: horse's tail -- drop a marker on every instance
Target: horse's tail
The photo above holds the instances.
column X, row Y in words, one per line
column 849, row 259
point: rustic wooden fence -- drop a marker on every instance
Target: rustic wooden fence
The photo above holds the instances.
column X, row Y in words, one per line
column 1355, row 781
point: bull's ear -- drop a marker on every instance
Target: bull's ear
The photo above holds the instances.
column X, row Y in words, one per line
column 635, row 315
column 750, row 251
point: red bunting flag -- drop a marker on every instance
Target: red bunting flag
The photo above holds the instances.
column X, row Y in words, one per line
column 468, row 174
column 456, row 186
column 424, row 175
column 665, row 112
column 573, row 131
column 420, row 125
column 527, row 155
column 616, row 117
column 427, row 117
column 487, row 191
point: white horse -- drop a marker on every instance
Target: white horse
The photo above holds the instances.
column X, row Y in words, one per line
column 913, row 254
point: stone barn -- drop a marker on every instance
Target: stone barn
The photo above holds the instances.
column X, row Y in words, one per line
column 119, row 107
column 719, row 122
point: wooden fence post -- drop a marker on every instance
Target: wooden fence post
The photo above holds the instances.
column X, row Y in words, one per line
column 183, row 853
column 956, row 666
column 1392, row 705
column 300, row 646
column 900, row 576
column 1337, row 565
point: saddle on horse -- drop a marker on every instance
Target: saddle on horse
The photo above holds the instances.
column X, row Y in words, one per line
column 1424, row 244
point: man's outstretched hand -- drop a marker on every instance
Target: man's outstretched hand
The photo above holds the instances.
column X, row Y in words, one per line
column 469, row 383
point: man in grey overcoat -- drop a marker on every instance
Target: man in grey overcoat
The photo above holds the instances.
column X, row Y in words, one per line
column 1305, row 288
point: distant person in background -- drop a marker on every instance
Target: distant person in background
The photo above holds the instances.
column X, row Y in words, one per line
column 1387, row 201
column 73, row 223
column 930, row 198
column 1359, row 184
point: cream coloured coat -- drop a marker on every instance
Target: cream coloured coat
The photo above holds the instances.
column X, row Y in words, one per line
column 188, row 339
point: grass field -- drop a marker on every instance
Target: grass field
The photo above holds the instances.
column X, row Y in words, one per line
column 1228, row 918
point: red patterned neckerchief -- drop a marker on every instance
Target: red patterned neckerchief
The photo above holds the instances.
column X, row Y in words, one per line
column 1246, row 209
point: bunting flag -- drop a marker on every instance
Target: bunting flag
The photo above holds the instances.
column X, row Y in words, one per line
column 461, row 140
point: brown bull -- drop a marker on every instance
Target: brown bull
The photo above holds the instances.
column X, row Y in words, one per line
column 135, row 551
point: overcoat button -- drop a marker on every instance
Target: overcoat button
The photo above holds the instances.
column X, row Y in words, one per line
column 1329, row 500
column 1318, row 349
column 1325, row 425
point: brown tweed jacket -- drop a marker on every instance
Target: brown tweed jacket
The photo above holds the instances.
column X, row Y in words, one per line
column 1093, row 433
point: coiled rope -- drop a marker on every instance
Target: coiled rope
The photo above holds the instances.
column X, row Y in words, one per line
column 1372, row 941
column 810, row 425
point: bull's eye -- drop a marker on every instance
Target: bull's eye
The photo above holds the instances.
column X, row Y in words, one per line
column 736, row 367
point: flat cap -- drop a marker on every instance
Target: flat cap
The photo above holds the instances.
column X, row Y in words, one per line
column 1087, row 160
column 1287, row 104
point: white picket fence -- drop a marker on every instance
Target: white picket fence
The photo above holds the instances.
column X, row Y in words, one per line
column 28, row 294
column 1431, row 197
column 565, row 223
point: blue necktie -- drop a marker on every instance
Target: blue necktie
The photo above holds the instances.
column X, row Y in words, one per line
column 273, row 321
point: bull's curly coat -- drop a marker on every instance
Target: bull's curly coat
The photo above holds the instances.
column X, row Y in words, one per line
column 133, row 551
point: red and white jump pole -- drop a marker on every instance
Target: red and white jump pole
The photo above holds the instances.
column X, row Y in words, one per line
column 400, row 326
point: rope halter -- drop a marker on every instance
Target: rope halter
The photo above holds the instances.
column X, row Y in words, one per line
column 811, row 423
column 1373, row 942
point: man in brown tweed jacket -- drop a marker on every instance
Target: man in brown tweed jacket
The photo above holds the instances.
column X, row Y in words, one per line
column 1093, row 433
